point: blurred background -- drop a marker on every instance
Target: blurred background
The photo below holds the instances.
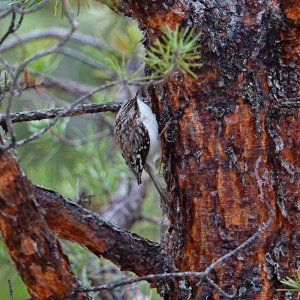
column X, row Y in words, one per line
column 78, row 157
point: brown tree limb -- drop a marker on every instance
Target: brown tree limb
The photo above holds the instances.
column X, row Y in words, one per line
column 79, row 109
column 72, row 222
column 37, row 254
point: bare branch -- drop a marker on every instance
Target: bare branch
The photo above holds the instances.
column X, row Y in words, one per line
column 72, row 222
column 83, row 140
column 66, row 111
column 152, row 277
column 12, row 27
column 290, row 104
column 52, row 32
column 11, row 292
column 73, row 87
column 84, row 59
column 20, row 68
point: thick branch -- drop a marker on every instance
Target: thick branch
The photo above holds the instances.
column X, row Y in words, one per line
column 37, row 255
column 42, row 114
column 72, row 222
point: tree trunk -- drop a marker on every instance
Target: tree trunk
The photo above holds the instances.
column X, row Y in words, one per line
column 231, row 143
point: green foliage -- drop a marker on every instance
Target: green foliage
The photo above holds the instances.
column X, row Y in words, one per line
column 292, row 283
column 121, row 68
column 46, row 64
column 92, row 168
column 174, row 50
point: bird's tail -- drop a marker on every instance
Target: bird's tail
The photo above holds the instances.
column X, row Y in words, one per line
column 151, row 171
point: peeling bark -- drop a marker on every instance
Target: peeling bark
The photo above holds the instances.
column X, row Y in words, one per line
column 36, row 252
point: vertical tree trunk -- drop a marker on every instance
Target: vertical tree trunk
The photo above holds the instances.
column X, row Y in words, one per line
column 231, row 143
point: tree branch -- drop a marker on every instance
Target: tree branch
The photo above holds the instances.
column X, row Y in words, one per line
column 37, row 254
column 73, row 25
column 57, row 117
column 79, row 109
column 53, row 32
column 12, row 27
column 122, row 282
column 72, row 222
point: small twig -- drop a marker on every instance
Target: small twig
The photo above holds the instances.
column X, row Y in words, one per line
column 52, row 32
column 71, row 86
column 83, row 58
column 11, row 292
column 126, row 281
column 115, row 284
column 10, row 28
column 220, row 291
column 58, row 116
column 19, row 70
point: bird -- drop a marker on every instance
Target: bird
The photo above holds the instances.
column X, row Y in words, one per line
column 136, row 133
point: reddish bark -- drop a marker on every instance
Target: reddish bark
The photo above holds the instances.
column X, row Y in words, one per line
column 231, row 147
column 37, row 254
column 72, row 222
column 230, row 144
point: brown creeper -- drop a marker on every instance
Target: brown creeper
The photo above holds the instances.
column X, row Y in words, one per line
column 136, row 132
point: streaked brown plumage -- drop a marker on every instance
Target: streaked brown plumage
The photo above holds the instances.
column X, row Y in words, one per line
column 136, row 132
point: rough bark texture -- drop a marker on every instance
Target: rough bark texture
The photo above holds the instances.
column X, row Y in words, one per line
column 72, row 222
column 37, row 255
column 52, row 113
column 231, row 145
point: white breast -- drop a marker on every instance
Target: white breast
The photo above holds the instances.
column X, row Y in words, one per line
column 149, row 121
